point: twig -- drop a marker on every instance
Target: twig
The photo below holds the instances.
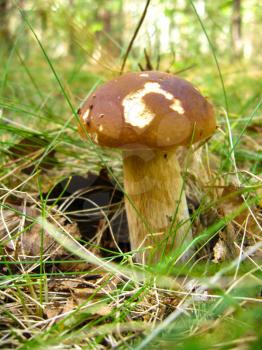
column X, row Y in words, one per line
column 134, row 36
column 148, row 61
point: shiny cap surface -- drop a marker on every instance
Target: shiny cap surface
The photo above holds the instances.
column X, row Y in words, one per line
column 152, row 109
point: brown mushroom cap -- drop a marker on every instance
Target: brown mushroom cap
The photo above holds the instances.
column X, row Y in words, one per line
column 151, row 109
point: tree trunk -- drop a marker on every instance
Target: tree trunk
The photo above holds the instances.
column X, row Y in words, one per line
column 72, row 45
column 236, row 29
column 5, row 36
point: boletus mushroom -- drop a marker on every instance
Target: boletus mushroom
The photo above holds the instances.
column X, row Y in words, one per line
column 148, row 115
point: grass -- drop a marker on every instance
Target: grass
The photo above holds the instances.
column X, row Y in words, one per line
column 59, row 290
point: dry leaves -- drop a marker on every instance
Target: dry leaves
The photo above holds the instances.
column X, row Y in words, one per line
column 24, row 238
column 230, row 238
column 220, row 251
column 79, row 292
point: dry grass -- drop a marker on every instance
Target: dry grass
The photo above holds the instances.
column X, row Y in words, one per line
column 55, row 291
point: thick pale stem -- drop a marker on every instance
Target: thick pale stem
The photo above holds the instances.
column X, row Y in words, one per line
column 153, row 182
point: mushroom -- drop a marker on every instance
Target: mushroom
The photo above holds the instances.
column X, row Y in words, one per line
column 148, row 115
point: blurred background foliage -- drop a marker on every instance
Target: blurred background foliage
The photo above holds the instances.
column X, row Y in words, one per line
column 86, row 40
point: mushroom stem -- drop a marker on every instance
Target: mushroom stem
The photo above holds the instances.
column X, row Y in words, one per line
column 153, row 182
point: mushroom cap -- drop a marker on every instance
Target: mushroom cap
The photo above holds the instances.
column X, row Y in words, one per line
column 147, row 109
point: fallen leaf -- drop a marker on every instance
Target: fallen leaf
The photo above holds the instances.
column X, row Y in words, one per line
column 231, row 200
column 26, row 238
column 255, row 127
column 220, row 252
